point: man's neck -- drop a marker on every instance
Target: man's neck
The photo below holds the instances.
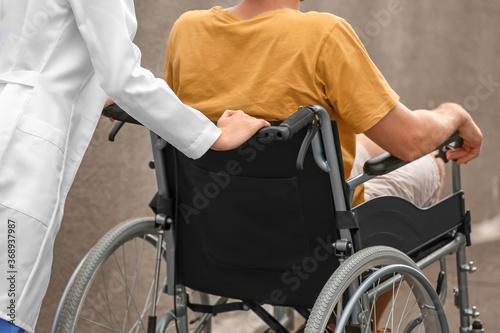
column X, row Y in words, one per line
column 248, row 9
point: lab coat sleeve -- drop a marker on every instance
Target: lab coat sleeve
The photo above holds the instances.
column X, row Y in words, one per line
column 108, row 27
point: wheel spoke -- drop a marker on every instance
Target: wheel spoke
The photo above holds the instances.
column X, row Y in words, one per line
column 106, row 298
column 127, row 288
column 114, row 281
column 138, row 259
column 402, row 285
column 100, row 325
column 98, row 312
column 403, row 314
column 373, row 309
column 394, row 297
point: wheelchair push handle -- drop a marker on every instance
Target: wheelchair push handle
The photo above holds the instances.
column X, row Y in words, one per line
column 117, row 113
column 293, row 124
column 121, row 117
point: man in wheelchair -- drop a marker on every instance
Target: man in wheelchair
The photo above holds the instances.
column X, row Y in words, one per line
column 268, row 58
column 263, row 224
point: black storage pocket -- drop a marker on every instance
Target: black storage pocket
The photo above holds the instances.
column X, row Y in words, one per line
column 251, row 223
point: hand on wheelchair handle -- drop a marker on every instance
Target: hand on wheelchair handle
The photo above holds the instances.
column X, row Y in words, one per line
column 236, row 127
column 471, row 146
column 454, row 142
column 108, row 102
column 114, row 112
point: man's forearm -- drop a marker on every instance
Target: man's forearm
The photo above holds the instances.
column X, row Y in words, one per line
column 436, row 126
column 410, row 135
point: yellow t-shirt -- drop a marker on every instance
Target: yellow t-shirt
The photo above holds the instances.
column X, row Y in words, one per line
column 270, row 65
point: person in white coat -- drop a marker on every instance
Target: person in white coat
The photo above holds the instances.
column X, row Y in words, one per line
column 59, row 59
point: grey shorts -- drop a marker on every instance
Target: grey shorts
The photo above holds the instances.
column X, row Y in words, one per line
column 417, row 182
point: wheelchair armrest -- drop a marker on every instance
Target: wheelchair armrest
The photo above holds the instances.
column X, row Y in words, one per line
column 385, row 162
column 382, row 164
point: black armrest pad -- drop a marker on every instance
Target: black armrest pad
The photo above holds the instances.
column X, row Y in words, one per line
column 382, row 164
column 385, row 162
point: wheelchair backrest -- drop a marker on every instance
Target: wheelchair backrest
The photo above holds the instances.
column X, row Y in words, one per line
column 249, row 225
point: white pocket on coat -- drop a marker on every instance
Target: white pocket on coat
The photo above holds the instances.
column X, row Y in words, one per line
column 31, row 169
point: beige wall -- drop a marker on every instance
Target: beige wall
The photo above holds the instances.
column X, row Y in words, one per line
column 429, row 51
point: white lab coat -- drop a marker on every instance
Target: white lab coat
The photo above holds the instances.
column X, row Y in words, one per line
column 58, row 61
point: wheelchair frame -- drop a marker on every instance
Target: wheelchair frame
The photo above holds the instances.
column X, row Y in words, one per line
column 325, row 154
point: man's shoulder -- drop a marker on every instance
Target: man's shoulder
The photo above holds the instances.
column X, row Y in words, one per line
column 321, row 18
column 193, row 15
column 189, row 21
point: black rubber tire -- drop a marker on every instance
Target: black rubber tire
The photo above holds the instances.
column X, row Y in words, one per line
column 350, row 270
column 109, row 243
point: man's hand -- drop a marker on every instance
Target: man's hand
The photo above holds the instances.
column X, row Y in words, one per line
column 237, row 127
column 109, row 102
column 471, row 147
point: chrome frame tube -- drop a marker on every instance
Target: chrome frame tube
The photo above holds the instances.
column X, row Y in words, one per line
column 352, row 303
column 463, row 290
column 455, row 175
column 325, row 155
column 450, row 248
column 355, row 182
column 181, row 309
column 328, row 154
column 159, row 247
column 444, row 287
column 158, row 144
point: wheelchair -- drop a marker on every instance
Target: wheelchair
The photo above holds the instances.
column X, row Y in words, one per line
column 270, row 224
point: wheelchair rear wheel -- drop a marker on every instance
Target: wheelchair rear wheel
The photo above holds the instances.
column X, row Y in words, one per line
column 395, row 301
column 113, row 288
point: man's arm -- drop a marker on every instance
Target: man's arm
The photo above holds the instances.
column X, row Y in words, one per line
column 409, row 135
